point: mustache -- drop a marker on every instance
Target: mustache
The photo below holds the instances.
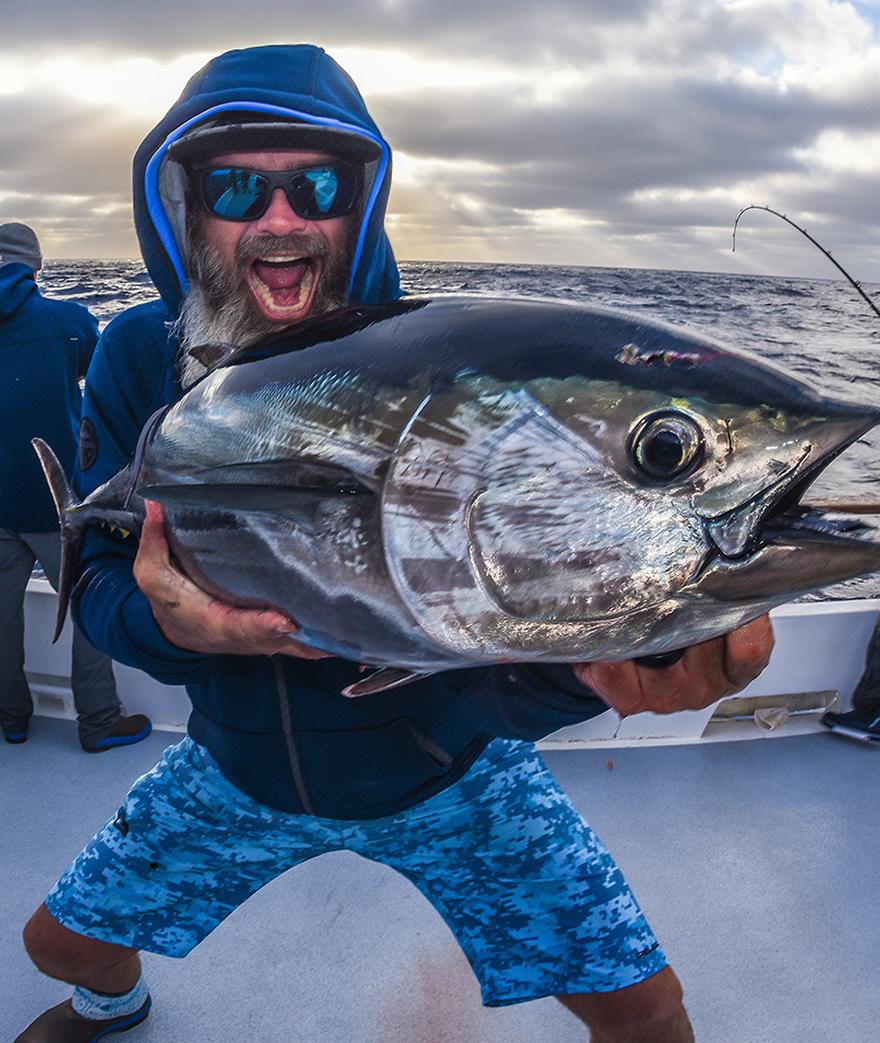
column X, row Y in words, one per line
column 253, row 247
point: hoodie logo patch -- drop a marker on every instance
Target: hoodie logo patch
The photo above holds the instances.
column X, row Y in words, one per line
column 88, row 444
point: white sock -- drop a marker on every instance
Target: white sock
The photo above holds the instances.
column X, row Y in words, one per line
column 99, row 1006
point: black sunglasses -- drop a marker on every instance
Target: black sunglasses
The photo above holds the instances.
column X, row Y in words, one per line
column 315, row 194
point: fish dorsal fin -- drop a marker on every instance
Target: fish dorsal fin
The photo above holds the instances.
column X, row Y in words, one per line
column 213, row 355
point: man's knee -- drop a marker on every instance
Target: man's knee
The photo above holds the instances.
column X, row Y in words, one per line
column 49, row 946
column 653, row 1009
column 61, row 953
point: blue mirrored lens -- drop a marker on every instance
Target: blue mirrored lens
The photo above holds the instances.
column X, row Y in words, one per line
column 325, row 185
column 240, row 194
column 234, row 193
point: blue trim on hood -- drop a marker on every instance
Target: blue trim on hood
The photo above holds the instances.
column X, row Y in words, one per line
column 283, row 80
column 159, row 217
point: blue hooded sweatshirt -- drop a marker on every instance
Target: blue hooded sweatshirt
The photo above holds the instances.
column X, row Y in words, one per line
column 279, row 727
column 45, row 347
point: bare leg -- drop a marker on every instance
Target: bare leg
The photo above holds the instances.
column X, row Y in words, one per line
column 63, row 954
column 652, row 1010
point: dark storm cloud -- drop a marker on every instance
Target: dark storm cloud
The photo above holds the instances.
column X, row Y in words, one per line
column 168, row 27
column 64, row 148
column 848, row 197
column 65, row 170
column 687, row 133
column 596, row 164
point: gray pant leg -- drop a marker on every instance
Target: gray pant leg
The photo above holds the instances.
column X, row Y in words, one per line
column 866, row 697
column 91, row 674
column 16, row 562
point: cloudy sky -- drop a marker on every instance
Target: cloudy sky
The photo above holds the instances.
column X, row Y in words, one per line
column 589, row 132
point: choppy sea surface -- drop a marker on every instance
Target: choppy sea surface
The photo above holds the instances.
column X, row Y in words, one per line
column 819, row 329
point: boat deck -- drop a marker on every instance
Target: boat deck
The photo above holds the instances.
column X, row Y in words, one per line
column 756, row 863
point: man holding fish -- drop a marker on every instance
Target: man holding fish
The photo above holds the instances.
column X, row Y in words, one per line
column 259, row 203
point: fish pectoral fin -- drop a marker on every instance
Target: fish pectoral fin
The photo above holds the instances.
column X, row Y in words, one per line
column 292, row 486
column 384, row 679
column 287, row 473
column 300, row 506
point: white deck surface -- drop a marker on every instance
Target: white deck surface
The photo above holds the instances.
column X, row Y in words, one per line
column 756, row 862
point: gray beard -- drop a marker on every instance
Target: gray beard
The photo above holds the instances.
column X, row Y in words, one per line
column 218, row 308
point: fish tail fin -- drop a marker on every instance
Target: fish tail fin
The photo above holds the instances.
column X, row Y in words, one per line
column 72, row 527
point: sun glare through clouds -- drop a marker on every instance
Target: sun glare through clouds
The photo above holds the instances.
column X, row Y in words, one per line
column 142, row 87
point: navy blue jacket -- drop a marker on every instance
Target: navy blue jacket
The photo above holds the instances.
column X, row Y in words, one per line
column 45, row 347
column 337, row 757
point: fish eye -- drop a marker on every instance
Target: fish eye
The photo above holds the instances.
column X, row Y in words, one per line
column 667, row 445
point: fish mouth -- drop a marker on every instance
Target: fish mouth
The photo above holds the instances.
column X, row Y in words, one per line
column 806, row 523
column 283, row 285
column 776, row 545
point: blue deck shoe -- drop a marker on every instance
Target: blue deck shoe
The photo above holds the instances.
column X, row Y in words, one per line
column 62, row 1024
column 128, row 730
column 853, row 725
column 17, row 734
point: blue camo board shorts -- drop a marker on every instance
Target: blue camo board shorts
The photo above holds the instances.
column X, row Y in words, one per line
column 530, row 893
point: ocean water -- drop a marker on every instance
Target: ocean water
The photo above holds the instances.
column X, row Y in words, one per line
column 819, row 329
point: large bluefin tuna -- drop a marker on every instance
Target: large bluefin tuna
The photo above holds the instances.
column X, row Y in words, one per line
column 446, row 482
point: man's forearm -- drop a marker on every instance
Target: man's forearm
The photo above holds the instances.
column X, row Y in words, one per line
column 116, row 617
column 531, row 700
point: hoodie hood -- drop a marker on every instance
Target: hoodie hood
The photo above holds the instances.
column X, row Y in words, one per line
column 284, row 82
column 17, row 284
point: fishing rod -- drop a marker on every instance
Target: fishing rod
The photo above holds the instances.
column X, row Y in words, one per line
column 840, row 506
column 853, row 282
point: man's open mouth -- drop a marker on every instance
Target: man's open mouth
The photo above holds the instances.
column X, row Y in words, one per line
column 283, row 286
